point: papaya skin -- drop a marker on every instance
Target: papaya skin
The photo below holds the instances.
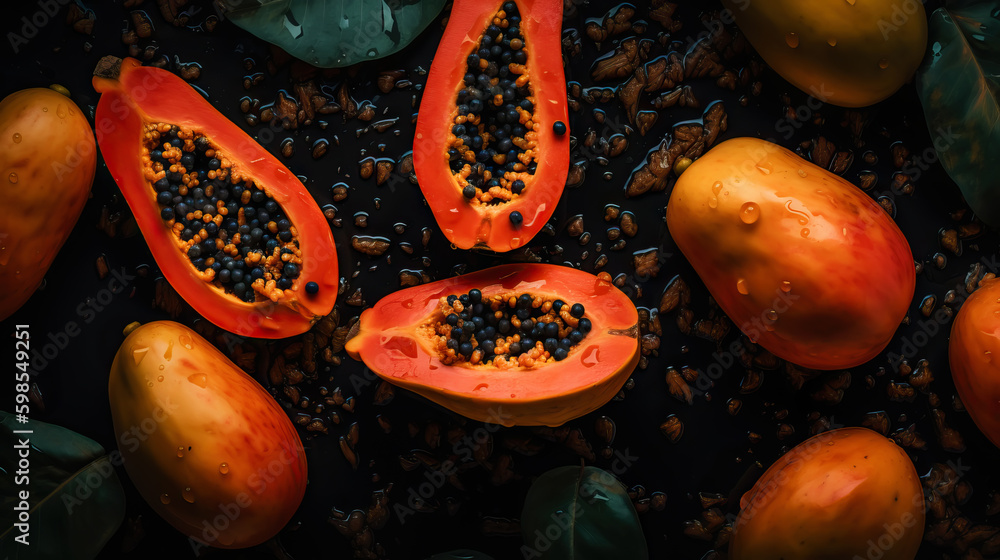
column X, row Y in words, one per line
column 388, row 340
column 851, row 54
column 200, row 438
column 47, row 158
column 833, row 497
column 974, row 351
column 802, row 261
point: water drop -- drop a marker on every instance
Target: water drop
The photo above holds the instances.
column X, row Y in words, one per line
column 224, row 468
column 17, row 137
column 185, row 341
column 772, row 315
column 764, row 168
column 159, row 378
column 792, row 39
column 802, row 173
column 786, row 286
column 149, row 383
column 161, row 367
column 188, row 495
column 180, row 451
column 61, row 111
column 199, row 379
column 804, row 232
column 749, row 212
column 372, row 53
column 45, row 109
column 741, row 287
column 12, row 177
column 851, row 2
column 717, row 187
column 713, row 202
column 138, row 353
column 883, row 63
column 832, row 41
column 164, row 498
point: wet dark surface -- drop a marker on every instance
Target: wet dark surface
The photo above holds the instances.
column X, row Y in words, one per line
column 714, row 454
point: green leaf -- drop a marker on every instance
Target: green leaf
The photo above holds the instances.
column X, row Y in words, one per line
column 462, row 554
column 958, row 84
column 580, row 513
column 75, row 501
column 335, row 33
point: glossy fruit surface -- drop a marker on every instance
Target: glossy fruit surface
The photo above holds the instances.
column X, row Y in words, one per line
column 47, row 158
column 392, row 343
column 846, row 52
column 801, row 260
column 844, row 494
column 143, row 95
column 973, row 351
column 207, row 447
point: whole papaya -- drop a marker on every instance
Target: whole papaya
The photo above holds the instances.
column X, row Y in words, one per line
column 47, row 161
column 975, row 337
column 207, row 447
column 802, row 261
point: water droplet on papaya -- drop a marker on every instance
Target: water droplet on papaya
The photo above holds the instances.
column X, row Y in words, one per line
column 12, row 177
column 851, row 2
column 832, row 41
column 764, row 168
column 159, row 378
column 138, row 353
column 45, row 109
column 792, row 40
column 804, row 232
column 149, row 383
column 161, row 367
column 188, row 495
column 713, row 202
column 61, row 111
column 749, row 212
column 741, row 287
column 802, row 172
column 883, row 63
column 180, row 451
column 164, row 498
column 786, row 286
column 591, row 356
column 17, row 137
column 199, row 379
column 169, row 351
column 772, row 315
column 717, row 187
column 224, row 468
column 185, row 341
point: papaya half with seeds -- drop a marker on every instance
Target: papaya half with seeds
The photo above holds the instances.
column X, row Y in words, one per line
column 518, row 344
column 48, row 158
column 231, row 228
column 491, row 151
column 206, row 446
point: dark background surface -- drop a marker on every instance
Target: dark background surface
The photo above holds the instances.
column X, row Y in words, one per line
column 714, row 454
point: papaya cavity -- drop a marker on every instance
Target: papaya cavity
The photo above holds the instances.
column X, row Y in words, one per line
column 231, row 230
column 493, row 142
column 506, row 330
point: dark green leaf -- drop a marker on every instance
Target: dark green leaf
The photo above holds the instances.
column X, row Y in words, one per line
column 461, row 555
column 958, row 84
column 335, row 33
column 75, row 500
column 580, row 513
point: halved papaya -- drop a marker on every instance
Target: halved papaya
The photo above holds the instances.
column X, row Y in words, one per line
column 491, row 151
column 231, row 228
column 518, row 344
